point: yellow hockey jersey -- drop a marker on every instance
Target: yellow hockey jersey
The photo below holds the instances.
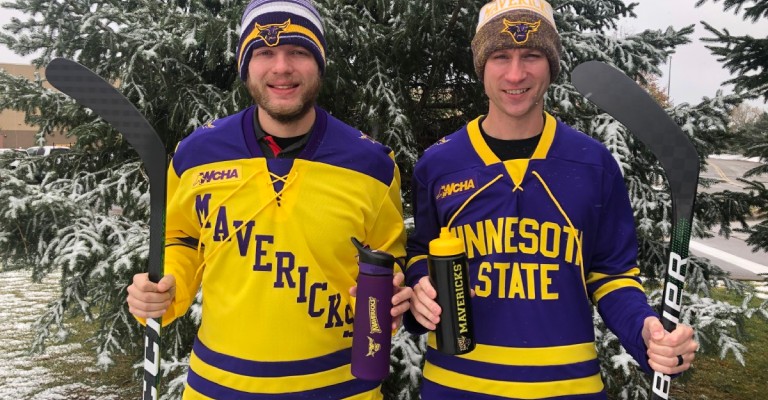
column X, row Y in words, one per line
column 268, row 240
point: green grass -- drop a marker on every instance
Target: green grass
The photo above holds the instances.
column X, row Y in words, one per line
column 120, row 378
column 716, row 379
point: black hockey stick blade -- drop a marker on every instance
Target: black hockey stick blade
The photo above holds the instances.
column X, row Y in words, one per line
column 621, row 97
column 90, row 90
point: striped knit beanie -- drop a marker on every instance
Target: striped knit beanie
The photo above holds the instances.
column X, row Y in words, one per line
column 508, row 24
column 275, row 22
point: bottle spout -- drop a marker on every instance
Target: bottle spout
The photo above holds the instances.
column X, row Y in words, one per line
column 447, row 244
column 373, row 257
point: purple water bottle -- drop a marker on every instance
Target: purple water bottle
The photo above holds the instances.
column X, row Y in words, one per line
column 372, row 337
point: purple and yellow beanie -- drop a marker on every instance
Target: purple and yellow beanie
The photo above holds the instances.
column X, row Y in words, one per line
column 275, row 22
column 505, row 24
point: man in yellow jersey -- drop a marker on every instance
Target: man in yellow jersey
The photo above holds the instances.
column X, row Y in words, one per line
column 548, row 228
column 262, row 205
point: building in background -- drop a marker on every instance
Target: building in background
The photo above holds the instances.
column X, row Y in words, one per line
column 14, row 133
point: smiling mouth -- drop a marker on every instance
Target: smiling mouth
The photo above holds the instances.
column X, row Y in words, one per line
column 516, row 91
column 284, row 87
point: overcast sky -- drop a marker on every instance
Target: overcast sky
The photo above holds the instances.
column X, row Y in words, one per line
column 694, row 71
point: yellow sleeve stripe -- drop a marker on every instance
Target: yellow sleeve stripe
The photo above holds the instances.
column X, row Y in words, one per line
column 523, row 356
column 522, row 390
column 595, row 276
column 615, row 282
column 615, row 285
column 414, row 260
column 270, row 385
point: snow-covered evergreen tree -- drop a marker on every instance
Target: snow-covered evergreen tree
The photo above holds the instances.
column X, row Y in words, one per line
column 400, row 70
column 746, row 57
column 753, row 138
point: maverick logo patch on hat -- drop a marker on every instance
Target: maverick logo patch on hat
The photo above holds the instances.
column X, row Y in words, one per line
column 513, row 24
column 271, row 33
column 520, row 30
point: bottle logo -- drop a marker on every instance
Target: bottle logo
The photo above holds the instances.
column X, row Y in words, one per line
column 373, row 347
column 372, row 306
column 464, row 343
column 461, row 305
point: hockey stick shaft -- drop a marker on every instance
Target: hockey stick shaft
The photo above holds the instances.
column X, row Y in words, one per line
column 627, row 102
column 90, row 90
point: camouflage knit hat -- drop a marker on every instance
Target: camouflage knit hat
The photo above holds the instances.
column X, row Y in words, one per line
column 509, row 24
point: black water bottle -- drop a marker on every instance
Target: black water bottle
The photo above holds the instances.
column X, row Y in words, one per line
column 449, row 273
column 372, row 336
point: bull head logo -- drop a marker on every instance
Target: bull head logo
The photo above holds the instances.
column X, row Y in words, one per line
column 271, row 33
column 520, row 30
column 373, row 347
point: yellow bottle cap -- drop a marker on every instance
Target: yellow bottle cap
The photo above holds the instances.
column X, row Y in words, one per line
column 446, row 245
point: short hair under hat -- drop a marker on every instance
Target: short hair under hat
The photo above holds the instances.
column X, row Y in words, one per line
column 505, row 24
column 275, row 22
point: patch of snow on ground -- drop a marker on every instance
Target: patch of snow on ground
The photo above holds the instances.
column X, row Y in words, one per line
column 761, row 289
column 734, row 157
column 25, row 376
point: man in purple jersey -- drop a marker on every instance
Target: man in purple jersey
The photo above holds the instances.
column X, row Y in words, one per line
column 548, row 229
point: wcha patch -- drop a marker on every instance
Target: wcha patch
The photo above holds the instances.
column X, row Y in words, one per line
column 452, row 188
column 217, row 176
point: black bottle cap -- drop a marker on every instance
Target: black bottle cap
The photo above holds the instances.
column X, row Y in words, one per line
column 374, row 257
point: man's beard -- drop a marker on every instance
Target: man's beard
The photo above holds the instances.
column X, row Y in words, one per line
column 287, row 114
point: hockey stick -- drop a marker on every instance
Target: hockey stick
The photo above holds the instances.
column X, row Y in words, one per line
column 90, row 90
column 627, row 102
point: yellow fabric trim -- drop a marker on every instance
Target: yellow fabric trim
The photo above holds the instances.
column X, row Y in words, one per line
column 526, row 357
column 615, row 285
column 596, row 276
column 450, row 222
column 580, row 259
column 520, row 390
column 414, row 260
column 515, row 168
column 293, row 28
column 476, row 138
column 272, row 385
column 375, row 394
column 547, row 137
column 192, row 394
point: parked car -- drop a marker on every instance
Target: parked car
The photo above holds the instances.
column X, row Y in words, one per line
column 46, row 150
